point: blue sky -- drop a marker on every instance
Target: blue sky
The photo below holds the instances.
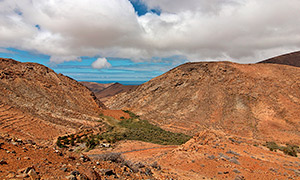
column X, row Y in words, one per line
column 137, row 40
column 122, row 70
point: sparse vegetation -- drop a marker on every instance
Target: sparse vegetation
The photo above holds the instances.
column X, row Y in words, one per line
column 130, row 129
column 131, row 114
column 291, row 150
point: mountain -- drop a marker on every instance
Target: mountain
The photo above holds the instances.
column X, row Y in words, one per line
column 95, row 87
column 37, row 103
column 292, row 59
column 259, row 101
column 106, row 91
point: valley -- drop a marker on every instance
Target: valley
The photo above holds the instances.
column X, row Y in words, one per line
column 206, row 120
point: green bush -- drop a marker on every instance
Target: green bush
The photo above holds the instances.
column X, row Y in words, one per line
column 144, row 131
column 272, row 146
column 131, row 114
column 290, row 150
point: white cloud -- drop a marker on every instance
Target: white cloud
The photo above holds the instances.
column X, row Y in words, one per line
column 238, row 30
column 101, row 63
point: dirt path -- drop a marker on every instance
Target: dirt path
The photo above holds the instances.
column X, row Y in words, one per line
column 98, row 156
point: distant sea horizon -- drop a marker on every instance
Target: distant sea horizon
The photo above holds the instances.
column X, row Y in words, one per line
column 121, row 82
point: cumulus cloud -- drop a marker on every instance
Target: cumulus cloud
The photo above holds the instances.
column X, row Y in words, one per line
column 101, row 63
column 237, row 30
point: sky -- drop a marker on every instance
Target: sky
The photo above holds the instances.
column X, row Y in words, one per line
column 137, row 40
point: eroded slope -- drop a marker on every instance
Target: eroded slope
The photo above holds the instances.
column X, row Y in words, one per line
column 35, row 100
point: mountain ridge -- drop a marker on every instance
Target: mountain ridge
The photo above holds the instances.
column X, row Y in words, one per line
column 291, row 59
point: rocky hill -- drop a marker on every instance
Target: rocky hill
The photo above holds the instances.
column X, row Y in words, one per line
column 292, row 59
column 37, row 103
column 259, row 101
column 96, row 87
column 106, row 91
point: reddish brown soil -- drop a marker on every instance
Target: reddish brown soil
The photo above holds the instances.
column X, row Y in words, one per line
column 117, row 114
column 51, row 164
column 200, row 158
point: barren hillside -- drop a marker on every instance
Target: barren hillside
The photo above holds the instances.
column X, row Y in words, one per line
column 292, row 59
column 36, row 102
column 260, row 101
column 106, row 91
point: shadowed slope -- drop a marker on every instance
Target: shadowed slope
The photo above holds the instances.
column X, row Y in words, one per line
column 292, row 59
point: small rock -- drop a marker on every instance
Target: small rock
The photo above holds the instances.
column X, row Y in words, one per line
column 33, row 175
column 274, row 170
column 234, row 160
column 239, row 177
column 25, row 170
column 109, row 172
column 72, row 158
column 26, row 158
column 75, row 173
column 223, row 156
column 2, row 162
column 148, row 172
column 97, row 163
column 11, row 175
column 82, row 177
column 71, row 177
column 236, row 171
column 64, row 169
column 23, row 175
column 232, row 152
column 14, row 152
column 93, row 175
column 211, row 157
